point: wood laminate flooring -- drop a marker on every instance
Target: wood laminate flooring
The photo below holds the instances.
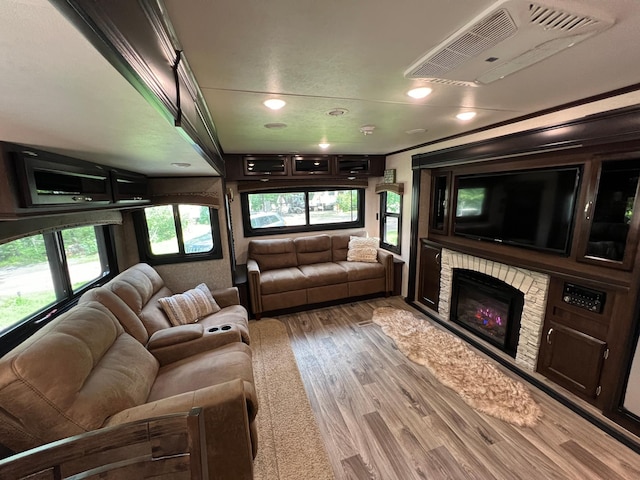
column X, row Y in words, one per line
column 384, row 417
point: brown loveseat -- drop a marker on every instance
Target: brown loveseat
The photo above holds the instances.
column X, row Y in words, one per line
column 287, row 272
column 84, row 371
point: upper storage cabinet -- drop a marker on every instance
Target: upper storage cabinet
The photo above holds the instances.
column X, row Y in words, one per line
column 360, row 165
column 265, row 165
column 129, row 187
column 610, row 214
column 312, row 165
column 60, row 181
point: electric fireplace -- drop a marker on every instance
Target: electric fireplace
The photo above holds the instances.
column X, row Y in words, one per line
column 487, row 307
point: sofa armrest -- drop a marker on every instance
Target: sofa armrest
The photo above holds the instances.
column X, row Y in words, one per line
column 175, row 343
column 386, row 259
column 226, row 422
column 225, row 297
column 255, row 293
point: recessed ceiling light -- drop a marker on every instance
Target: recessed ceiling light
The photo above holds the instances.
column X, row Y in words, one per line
column 465, row 115
column 274, row 103
column 324, row 145
column 181, row 164
column 275, row 126
column 415, row 131
column 419, row 92
column 337, row 112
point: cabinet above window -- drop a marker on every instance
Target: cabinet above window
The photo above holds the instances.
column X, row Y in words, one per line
column 253, row 167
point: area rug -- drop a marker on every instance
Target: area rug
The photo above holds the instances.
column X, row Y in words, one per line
column 290, row 446
column 479, row 383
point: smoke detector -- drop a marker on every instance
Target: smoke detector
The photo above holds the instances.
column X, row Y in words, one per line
column 367, row 129
column 505, row 38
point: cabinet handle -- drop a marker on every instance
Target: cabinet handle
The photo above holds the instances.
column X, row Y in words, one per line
column 81, row 199
column 549, row 336
column 137, row 198
column 587, row 210
column 438, row 258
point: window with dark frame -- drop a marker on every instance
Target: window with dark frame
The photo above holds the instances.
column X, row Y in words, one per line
column 301, row 210
column 391, row 221
column 42, row 275
column 177, row 233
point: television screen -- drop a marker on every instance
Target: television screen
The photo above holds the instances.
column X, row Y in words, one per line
column 528, row 208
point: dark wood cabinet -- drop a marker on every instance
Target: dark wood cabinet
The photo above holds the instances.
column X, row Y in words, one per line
column 254, row 167
column 429, row 274
column 440, row 191
column 46, row 181
column 312, row 165
column 265, row 165
column 610, row 214
column 574, row 340
column 129, row 187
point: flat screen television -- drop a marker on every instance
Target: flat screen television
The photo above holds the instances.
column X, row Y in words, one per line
column 526, row 208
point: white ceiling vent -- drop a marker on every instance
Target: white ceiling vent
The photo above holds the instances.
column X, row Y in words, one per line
column 507, row 37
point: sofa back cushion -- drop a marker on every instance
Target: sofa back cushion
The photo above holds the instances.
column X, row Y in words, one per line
column 70, row 377
column 315, row 249
column 125, row 315
column 140, row 287
column 340, row 245
column 273, row 253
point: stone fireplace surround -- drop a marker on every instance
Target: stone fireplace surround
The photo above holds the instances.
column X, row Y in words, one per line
column 533, row 285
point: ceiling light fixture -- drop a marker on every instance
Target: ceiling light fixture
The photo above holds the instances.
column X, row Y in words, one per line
column 367, row 129
column 415, row 131
column 465, row 115
column 324, row 145
column 419, row 92
column 274, row 103
column 181, row 164
column 275, row 126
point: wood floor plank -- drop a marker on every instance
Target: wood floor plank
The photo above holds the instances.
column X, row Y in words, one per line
column 384, row 417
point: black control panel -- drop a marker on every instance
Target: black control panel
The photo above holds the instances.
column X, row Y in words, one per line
column 584, row 297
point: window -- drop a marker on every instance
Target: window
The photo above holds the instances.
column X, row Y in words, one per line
column 45, row 273
column 390, row 221
column 301, row 210
column 178, row 233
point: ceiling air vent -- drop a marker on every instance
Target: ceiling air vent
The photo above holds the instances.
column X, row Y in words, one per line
column 551, row 19
column 505, row 38
column 485, row 34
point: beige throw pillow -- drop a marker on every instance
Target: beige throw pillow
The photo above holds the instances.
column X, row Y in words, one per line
column 363, row 249
column 190, row 306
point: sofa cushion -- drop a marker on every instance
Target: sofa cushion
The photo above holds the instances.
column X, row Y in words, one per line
column 205, row 369
column 340, row 245
column 314, row 249
column 105, row 371
column 362, row 271
column 128, row 319
column 363, row 249
column 322, row 274
column 190, row 306
column 282, row 280
column 273, row 253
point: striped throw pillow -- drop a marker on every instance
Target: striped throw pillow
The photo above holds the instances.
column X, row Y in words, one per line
column 190, row 306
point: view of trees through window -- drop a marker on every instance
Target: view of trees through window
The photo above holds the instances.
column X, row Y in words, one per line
column 30, row 266
column 167, row 223
column 285, row 209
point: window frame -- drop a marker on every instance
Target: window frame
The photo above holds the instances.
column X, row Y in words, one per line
column 383, row 217
column 144, row 243
column 19, row 332
column 249, row 231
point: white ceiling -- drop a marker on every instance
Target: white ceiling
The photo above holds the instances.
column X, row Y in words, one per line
column 57, row 93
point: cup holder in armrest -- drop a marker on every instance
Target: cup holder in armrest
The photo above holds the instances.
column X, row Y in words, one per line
column 224, row 328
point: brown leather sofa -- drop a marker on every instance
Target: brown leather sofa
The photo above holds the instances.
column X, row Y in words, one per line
column 85, row 370
column 308, row 270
